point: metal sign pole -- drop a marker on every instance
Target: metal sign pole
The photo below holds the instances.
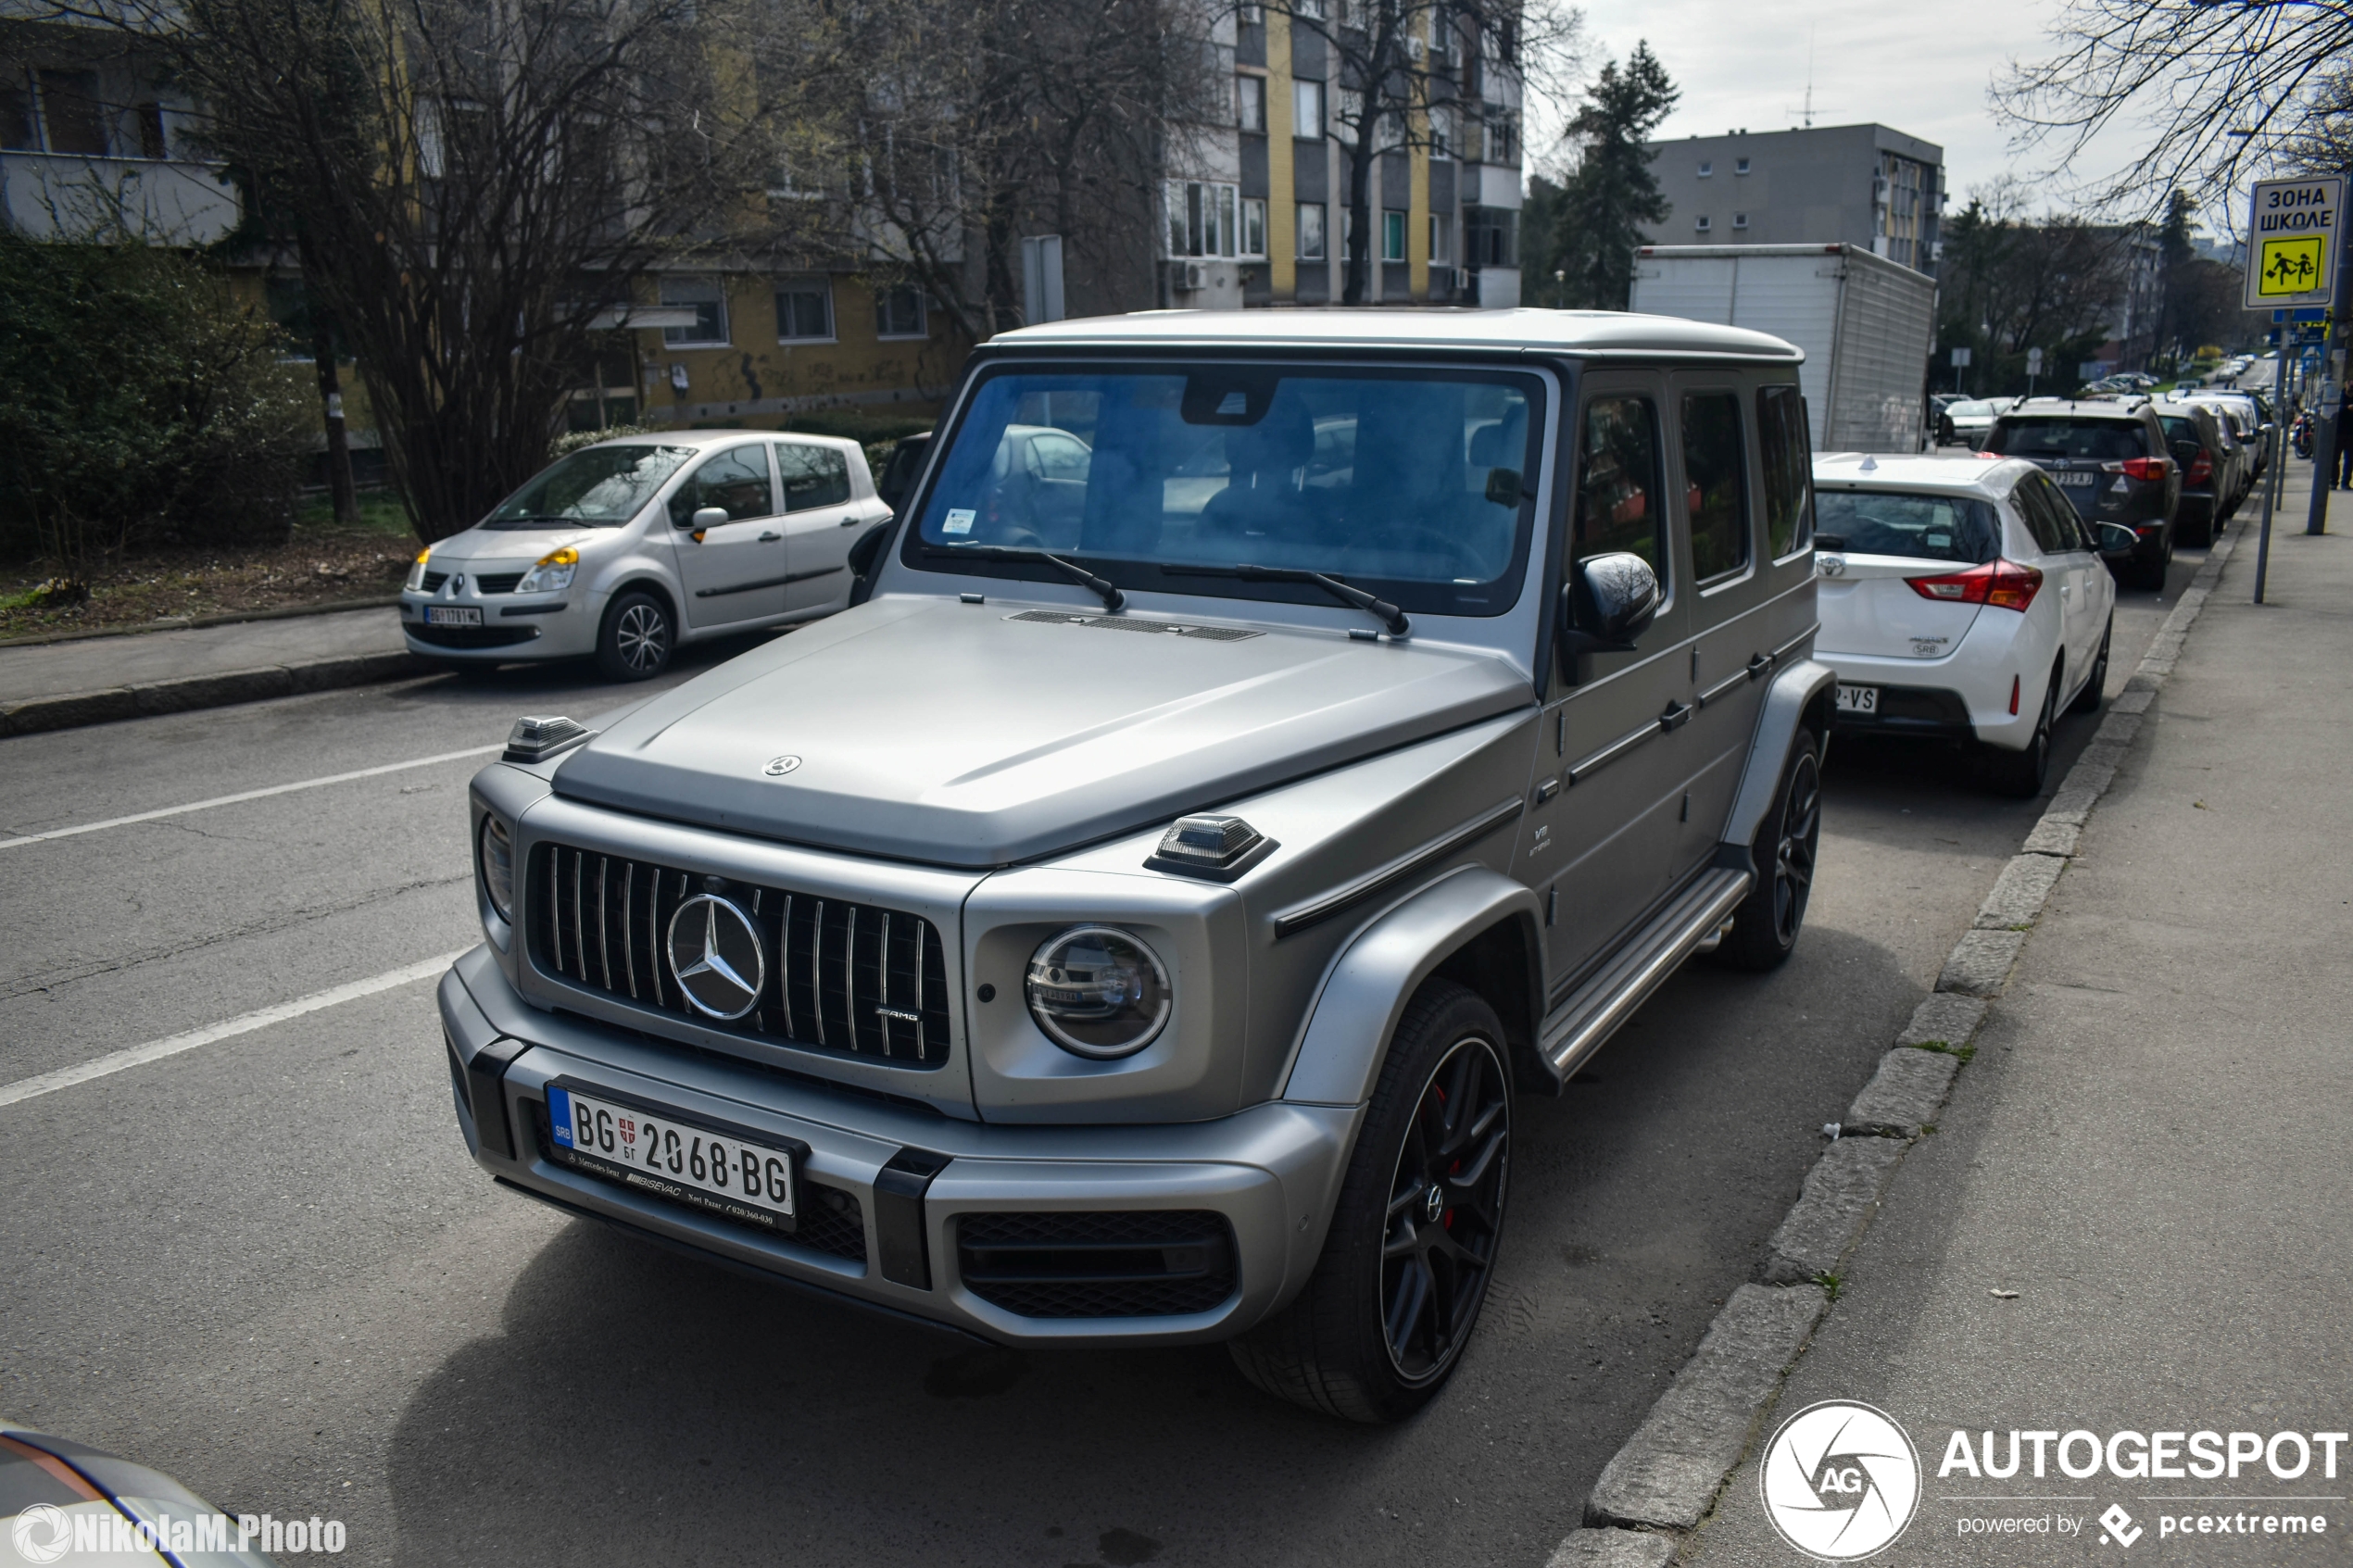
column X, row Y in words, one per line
column 2295, row 263
column 2275, row 469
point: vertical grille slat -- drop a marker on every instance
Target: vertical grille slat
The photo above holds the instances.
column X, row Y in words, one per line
column 856, row 980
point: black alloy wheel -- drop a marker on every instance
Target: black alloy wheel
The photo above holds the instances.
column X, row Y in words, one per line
column 634, row 642
column 1445, row 1214
column 2021, row 773
column 1382, row 1321
column 2096, row 685
column 1766, row 925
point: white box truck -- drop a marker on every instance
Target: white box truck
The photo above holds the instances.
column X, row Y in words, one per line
column 1867, row 324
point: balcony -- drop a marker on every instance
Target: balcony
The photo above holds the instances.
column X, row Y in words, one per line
column 75, row 196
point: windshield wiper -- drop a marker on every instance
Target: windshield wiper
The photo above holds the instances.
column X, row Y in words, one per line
column 1379, row 609
column 1113, row 600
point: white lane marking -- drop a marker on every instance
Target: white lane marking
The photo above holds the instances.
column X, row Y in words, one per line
column 249, row 795
column 156, row 1050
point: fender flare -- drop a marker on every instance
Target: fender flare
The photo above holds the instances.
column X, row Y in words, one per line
column 1366, row 989
column 1796, row 690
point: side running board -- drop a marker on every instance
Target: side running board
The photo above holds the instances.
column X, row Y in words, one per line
column 1580, row 1025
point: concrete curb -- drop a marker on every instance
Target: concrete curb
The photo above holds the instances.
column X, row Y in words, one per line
column 1669, row 1476
column 32, row 715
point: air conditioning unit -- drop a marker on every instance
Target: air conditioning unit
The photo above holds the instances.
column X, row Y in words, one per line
column 1418, row 49
column 1192, row 277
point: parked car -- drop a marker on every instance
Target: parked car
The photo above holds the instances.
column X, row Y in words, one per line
column 1142, row 943
column 1965, row 423
column 2250, row 421
column 625, row 549
column 67, row 1503
column 2114, row 461
column 2214, row 468
column 1962, row 599
column 898, row 472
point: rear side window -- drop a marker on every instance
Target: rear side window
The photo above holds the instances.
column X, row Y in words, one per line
column 1923, row 527
column 2184, row 430
column 2105, row 441
column 1789, row 470
column 814, row 476
column 735, row 479
column 2050, row 516
column 1715, row 481
column 1617, row 484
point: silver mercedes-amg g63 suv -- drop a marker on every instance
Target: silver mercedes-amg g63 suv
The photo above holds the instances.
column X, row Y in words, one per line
column 1265, row 744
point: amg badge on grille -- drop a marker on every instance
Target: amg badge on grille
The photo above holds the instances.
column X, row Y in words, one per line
column 715, row 951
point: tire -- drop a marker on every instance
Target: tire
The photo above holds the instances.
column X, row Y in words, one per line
column 2203, row 534
column 1765, row 924
column 2021, row 773
column 635, row 639
column 2096, row 685
column 1415, row 1236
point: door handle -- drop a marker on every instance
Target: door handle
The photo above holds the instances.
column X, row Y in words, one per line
column 849, row 522
column 770, row 538
column 1678, row 714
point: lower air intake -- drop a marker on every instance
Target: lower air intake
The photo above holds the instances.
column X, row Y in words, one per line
column 1154, row 1263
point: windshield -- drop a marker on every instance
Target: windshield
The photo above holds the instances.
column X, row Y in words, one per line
column 2099, row 440
column 1883, row 523
column 595, row 487
column 1416, row 485
column 1965, row 410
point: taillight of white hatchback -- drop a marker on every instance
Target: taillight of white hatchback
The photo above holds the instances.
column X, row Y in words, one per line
column 2003, row 584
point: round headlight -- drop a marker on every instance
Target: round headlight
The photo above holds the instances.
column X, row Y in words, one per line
column 498, row 868
column 1097, row 991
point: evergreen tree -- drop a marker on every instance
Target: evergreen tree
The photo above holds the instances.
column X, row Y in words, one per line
column 1613, row 193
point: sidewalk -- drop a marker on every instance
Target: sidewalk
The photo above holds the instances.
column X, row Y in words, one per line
column 2153, row 1145
column 91, row 680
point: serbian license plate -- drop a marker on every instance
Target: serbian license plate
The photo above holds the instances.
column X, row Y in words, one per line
column 688, row 1160
column 452, row 615
column 1858, row 699
column 2077, row 480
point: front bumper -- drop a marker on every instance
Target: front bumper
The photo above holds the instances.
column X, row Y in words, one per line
column 1272, row 1173
column 514, row 627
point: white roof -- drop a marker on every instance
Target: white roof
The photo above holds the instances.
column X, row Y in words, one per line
column 720, row 438
column 1600, row 333
column 1902, row 471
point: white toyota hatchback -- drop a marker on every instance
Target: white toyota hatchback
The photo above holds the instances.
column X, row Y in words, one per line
column 627, row 548
column 1962, row 599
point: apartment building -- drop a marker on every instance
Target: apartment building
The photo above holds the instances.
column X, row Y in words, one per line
column 1867, row 185
column 1257, row 209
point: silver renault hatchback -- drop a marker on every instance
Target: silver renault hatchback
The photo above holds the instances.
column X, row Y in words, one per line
column 1131, row 921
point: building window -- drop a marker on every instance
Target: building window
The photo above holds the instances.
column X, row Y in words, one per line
column 1702, row 223
column 1308, row 110
column 77, row 121
column 1392, row 235
column 1312, row 10
column 1491, row 236
column 1442, row 237
column 1706, row 169
column 1502, row 136
column 898, row 312
column 1253, row 227
column 805, row 311
column 1740, row 220
column 703, row 297
column 1740, row 166
column 1250, row 102
column 1311, row 231
column 1442, row 134
column 1204, row 219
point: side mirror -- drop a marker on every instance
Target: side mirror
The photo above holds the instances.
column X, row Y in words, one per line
column 708, row 517
column 2185, row 452
column 2116, row 540
column 864, row 556
column 1610, row 601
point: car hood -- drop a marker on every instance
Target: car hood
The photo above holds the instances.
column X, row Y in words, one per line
column 985, row 736
column 509, row 544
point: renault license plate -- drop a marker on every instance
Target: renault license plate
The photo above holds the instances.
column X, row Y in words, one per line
column 1858, row 699
column 687, row 1160
column 452, row 615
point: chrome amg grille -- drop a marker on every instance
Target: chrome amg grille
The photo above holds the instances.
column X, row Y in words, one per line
column 854, row 979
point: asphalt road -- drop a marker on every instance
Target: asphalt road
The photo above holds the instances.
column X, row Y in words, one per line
column 267, row 1266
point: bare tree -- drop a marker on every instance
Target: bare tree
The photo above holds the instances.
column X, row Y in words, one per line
column 476, row 191
column 2220, row 91
column 972, row 121
column 1419, row 73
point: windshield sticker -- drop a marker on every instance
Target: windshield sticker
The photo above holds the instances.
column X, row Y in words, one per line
column 960, row 520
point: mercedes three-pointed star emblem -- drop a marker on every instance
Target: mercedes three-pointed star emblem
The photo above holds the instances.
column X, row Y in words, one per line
column 716, row 952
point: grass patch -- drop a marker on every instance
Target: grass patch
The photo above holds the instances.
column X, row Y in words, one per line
column 379, row 512
column 1964, row 1052
column 1831, row 1284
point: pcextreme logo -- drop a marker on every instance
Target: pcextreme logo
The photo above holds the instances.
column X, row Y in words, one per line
column 1839, row 1480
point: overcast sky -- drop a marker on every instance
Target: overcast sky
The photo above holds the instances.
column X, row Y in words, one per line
column 1922, row 68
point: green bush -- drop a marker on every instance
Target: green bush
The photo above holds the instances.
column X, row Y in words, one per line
column 139, row 404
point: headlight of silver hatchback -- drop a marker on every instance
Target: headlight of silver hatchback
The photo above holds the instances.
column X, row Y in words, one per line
column 497, row 860
column 1097, row 991
column 551, row 572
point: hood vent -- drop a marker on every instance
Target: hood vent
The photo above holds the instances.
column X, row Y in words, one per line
column 1133, row 624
